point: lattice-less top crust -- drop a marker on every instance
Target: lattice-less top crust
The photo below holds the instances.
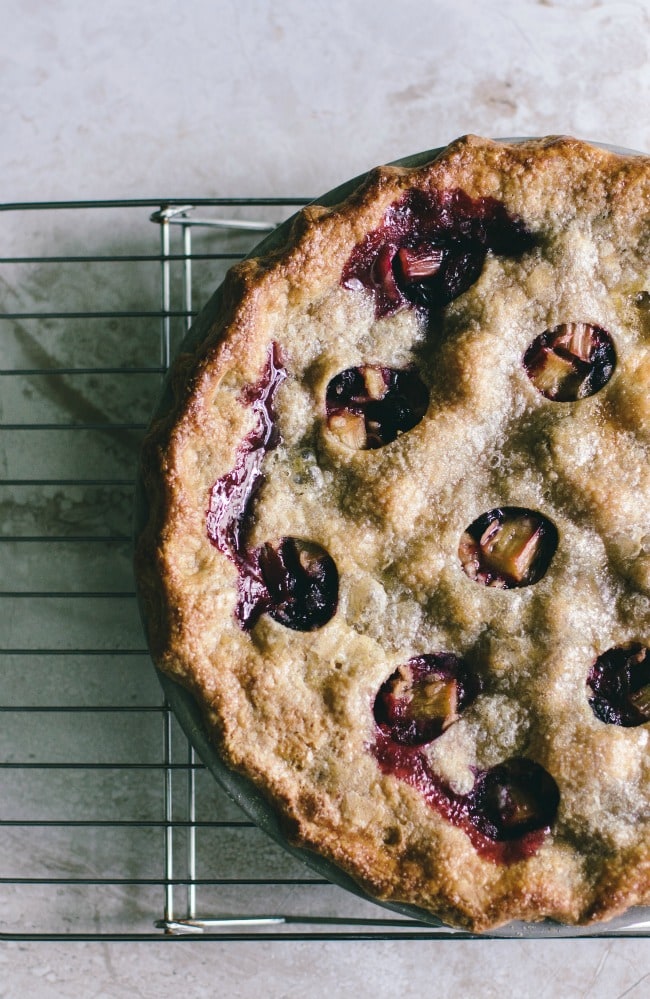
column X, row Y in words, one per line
column 422, row 631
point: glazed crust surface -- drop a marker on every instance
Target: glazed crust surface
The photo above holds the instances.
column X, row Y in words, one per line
column 293, row 710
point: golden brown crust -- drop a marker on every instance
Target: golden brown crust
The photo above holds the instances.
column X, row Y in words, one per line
column 294, row 710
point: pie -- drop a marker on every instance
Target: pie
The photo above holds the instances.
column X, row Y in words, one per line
column 398, row 531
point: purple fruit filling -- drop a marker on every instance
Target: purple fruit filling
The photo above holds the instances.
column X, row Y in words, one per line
column 619, row 682
column 430, row 248
column 511, row 806
column 508, row 547
column 302, row 583
column 294, row 581
column 232, row 495
column 370, row 406
column 424, row 696
column 512, row 799
column 570, row 361
column 506, row 815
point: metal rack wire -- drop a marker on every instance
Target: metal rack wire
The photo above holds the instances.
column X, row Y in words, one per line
column 109, row 828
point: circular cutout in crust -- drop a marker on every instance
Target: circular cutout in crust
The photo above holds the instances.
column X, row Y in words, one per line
column 571, row 361
column 372, row 405
column 508, row 547
column 513, row 799
column 301, row 581
column 293, row 709
column 424, row 696
column 619, row 686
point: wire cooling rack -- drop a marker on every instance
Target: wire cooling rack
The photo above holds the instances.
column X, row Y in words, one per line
column 110, row 828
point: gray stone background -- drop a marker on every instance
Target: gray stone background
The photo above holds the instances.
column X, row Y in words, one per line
column 208, row 99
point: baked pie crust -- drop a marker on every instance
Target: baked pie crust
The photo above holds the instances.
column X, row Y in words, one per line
column 398, row 534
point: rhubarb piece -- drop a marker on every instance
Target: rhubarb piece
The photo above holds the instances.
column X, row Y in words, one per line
column 508, row 547
column 350, row 428
column 424, row 696
column 430, row 248
column 570, row 361
column 619, row 684
column 377, row 381
column 513, row 798
column 370, row 406
column 418, row 263
column 382, row 278
column 302, row 583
